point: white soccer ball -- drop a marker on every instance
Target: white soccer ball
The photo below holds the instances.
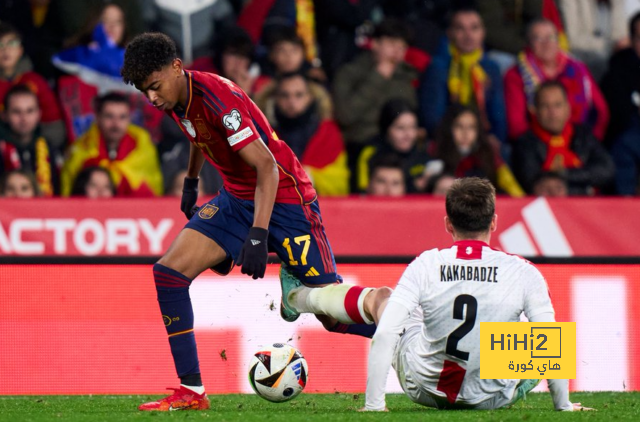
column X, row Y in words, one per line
column 278, row 372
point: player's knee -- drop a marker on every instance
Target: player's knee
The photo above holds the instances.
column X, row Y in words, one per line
column 169, row 281
column 375, row 300
column 383, row 293
column 378, row 296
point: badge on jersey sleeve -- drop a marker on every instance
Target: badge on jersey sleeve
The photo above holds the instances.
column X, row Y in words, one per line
column 232, row 120
column 187, row 125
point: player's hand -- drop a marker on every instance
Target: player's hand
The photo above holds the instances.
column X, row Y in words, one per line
column 254, row 253
column 578, row 407
column 189, row 197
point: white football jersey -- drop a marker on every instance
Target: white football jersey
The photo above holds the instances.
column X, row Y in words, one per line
column 457, row 288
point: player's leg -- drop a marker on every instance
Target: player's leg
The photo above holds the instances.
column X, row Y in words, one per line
column 201, row 245
column 345, row 303
column 374, row 303
column 189, row 254
column 406, row 369
column 308, row 275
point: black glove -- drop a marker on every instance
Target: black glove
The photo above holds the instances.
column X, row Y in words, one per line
column 189, row 197
column 254, row 253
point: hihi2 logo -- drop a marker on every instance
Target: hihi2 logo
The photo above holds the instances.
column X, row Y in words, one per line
column 528, row 350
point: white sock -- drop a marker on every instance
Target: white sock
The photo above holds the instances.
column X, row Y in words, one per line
column 337, row 300
column 199, row 389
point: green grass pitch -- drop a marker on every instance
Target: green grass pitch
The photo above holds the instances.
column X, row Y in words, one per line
column 309, row 407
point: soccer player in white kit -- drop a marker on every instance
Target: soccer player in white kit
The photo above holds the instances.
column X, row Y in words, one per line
column 429, row 329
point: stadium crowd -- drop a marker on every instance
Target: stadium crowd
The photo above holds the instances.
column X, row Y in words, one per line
column 377, row 97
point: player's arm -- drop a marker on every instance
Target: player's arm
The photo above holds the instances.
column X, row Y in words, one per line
column 258, row 156
column 254, row 253
column 404, row 299
column 190, row 186
column 538, row 308
column 196, row 161
column 383, row 345
column 559, row 388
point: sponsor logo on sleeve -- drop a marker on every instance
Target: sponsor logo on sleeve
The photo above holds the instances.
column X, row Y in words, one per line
column 232, row 120
column 240, row 136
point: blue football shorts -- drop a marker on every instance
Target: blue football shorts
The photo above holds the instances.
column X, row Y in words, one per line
column 296, row 235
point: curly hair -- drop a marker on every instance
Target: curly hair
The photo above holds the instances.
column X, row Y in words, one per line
column 145, row 54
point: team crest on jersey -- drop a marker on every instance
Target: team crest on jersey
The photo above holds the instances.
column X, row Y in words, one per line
column 187, row 125
column 233, row 120
column 208, row 211
column 202, row 129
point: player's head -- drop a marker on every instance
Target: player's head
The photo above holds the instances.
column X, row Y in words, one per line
column 471, row 209
column 152, row 65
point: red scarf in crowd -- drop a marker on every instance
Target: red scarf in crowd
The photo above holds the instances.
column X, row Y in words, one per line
column 557, row 145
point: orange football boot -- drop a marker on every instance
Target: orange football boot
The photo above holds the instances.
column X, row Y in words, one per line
column 181, row 399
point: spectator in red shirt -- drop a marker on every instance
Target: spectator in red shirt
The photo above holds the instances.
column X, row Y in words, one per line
column 543, row 60
column 11, row 51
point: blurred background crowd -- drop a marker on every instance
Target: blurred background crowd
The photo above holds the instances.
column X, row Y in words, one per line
column 375, row 97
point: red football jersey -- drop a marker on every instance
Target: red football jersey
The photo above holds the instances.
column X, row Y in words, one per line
column 221, row 119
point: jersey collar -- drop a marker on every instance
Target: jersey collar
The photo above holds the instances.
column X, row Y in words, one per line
column 470, row 242
column 469, row 249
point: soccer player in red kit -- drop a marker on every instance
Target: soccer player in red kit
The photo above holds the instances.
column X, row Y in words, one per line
column 267, row 204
